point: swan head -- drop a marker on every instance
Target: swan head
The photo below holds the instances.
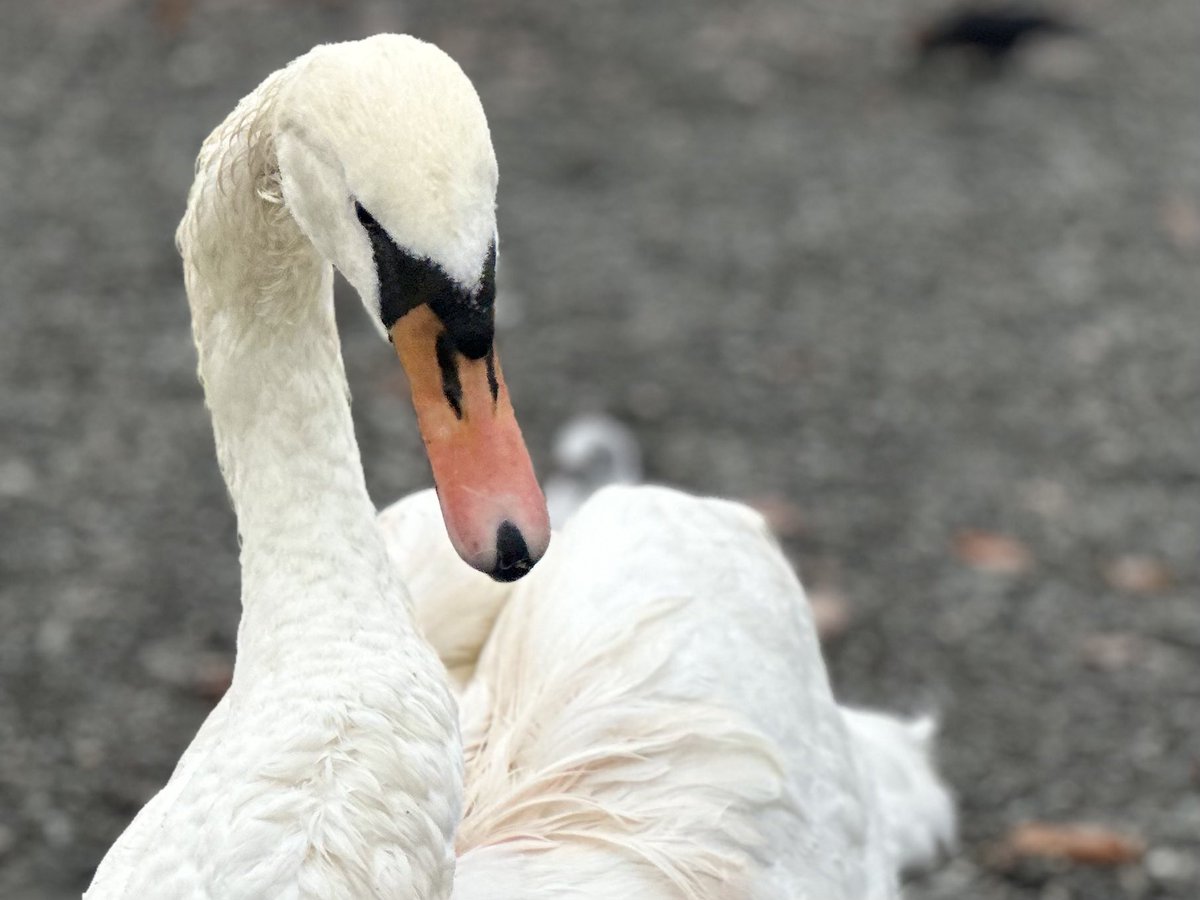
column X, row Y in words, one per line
column 387, row 167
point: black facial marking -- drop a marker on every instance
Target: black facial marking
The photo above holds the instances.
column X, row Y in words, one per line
column 406, row 281
column 470, row 318
column 512, row 553
column 451, row 386
column 365, row 217
column 493, row 384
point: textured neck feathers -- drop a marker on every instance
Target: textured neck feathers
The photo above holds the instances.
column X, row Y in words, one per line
column 270, row 362
column 269, row 356
column 333, row 765
column 327, row 638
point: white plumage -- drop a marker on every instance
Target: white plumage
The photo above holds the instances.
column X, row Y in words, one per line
column 647, row 715
column 651, row 707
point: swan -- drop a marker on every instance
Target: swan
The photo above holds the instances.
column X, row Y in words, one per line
column 644, row 714
column 590, row 450
column 333, row 766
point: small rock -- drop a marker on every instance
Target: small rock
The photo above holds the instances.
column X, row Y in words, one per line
column 17, row 478
column 1111, row 652
column 88, row 753
column 1137, row 574
column 1171, row 865
column 53, row 638
column 58, row 829
column 1047, row 498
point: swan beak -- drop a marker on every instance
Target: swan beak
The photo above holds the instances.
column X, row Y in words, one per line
column 491, row 502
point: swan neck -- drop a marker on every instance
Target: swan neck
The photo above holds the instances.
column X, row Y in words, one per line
column 327, row 640
column 277, row 392
column 269, row 356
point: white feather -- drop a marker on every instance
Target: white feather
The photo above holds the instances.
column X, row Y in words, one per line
column 918, row 811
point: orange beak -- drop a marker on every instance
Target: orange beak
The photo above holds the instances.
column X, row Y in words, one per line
column 493, row 508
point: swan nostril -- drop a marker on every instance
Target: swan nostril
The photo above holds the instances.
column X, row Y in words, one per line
column 513, row 559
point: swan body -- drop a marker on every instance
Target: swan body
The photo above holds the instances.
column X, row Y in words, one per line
column 645, row 714
column 649, row 716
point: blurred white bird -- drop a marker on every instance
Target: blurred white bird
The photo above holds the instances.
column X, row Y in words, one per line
column 590, row 451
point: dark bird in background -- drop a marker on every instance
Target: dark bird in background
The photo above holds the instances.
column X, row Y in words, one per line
column 991, row 33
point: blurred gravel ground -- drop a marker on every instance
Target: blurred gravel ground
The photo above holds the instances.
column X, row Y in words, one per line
column 909, row 305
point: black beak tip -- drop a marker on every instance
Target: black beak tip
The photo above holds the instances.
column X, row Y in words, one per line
column 513, row 559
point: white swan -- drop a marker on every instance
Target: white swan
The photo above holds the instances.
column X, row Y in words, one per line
column 649, row 716
column 591, row 450
column 333, row 767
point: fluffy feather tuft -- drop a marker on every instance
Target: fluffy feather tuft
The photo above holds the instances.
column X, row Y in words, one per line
column 577, row 755
column 917, row 808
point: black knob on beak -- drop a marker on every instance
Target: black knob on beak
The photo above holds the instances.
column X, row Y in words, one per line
column 513, row 559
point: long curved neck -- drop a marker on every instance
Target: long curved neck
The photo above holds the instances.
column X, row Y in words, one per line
column 327, row 639
column 271, row 365
column 276, row 388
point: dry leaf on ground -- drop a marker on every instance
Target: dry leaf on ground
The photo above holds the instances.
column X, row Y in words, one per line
column 1091, row 845
column 783, row 516
column 1180, row 217
column 988, row 551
